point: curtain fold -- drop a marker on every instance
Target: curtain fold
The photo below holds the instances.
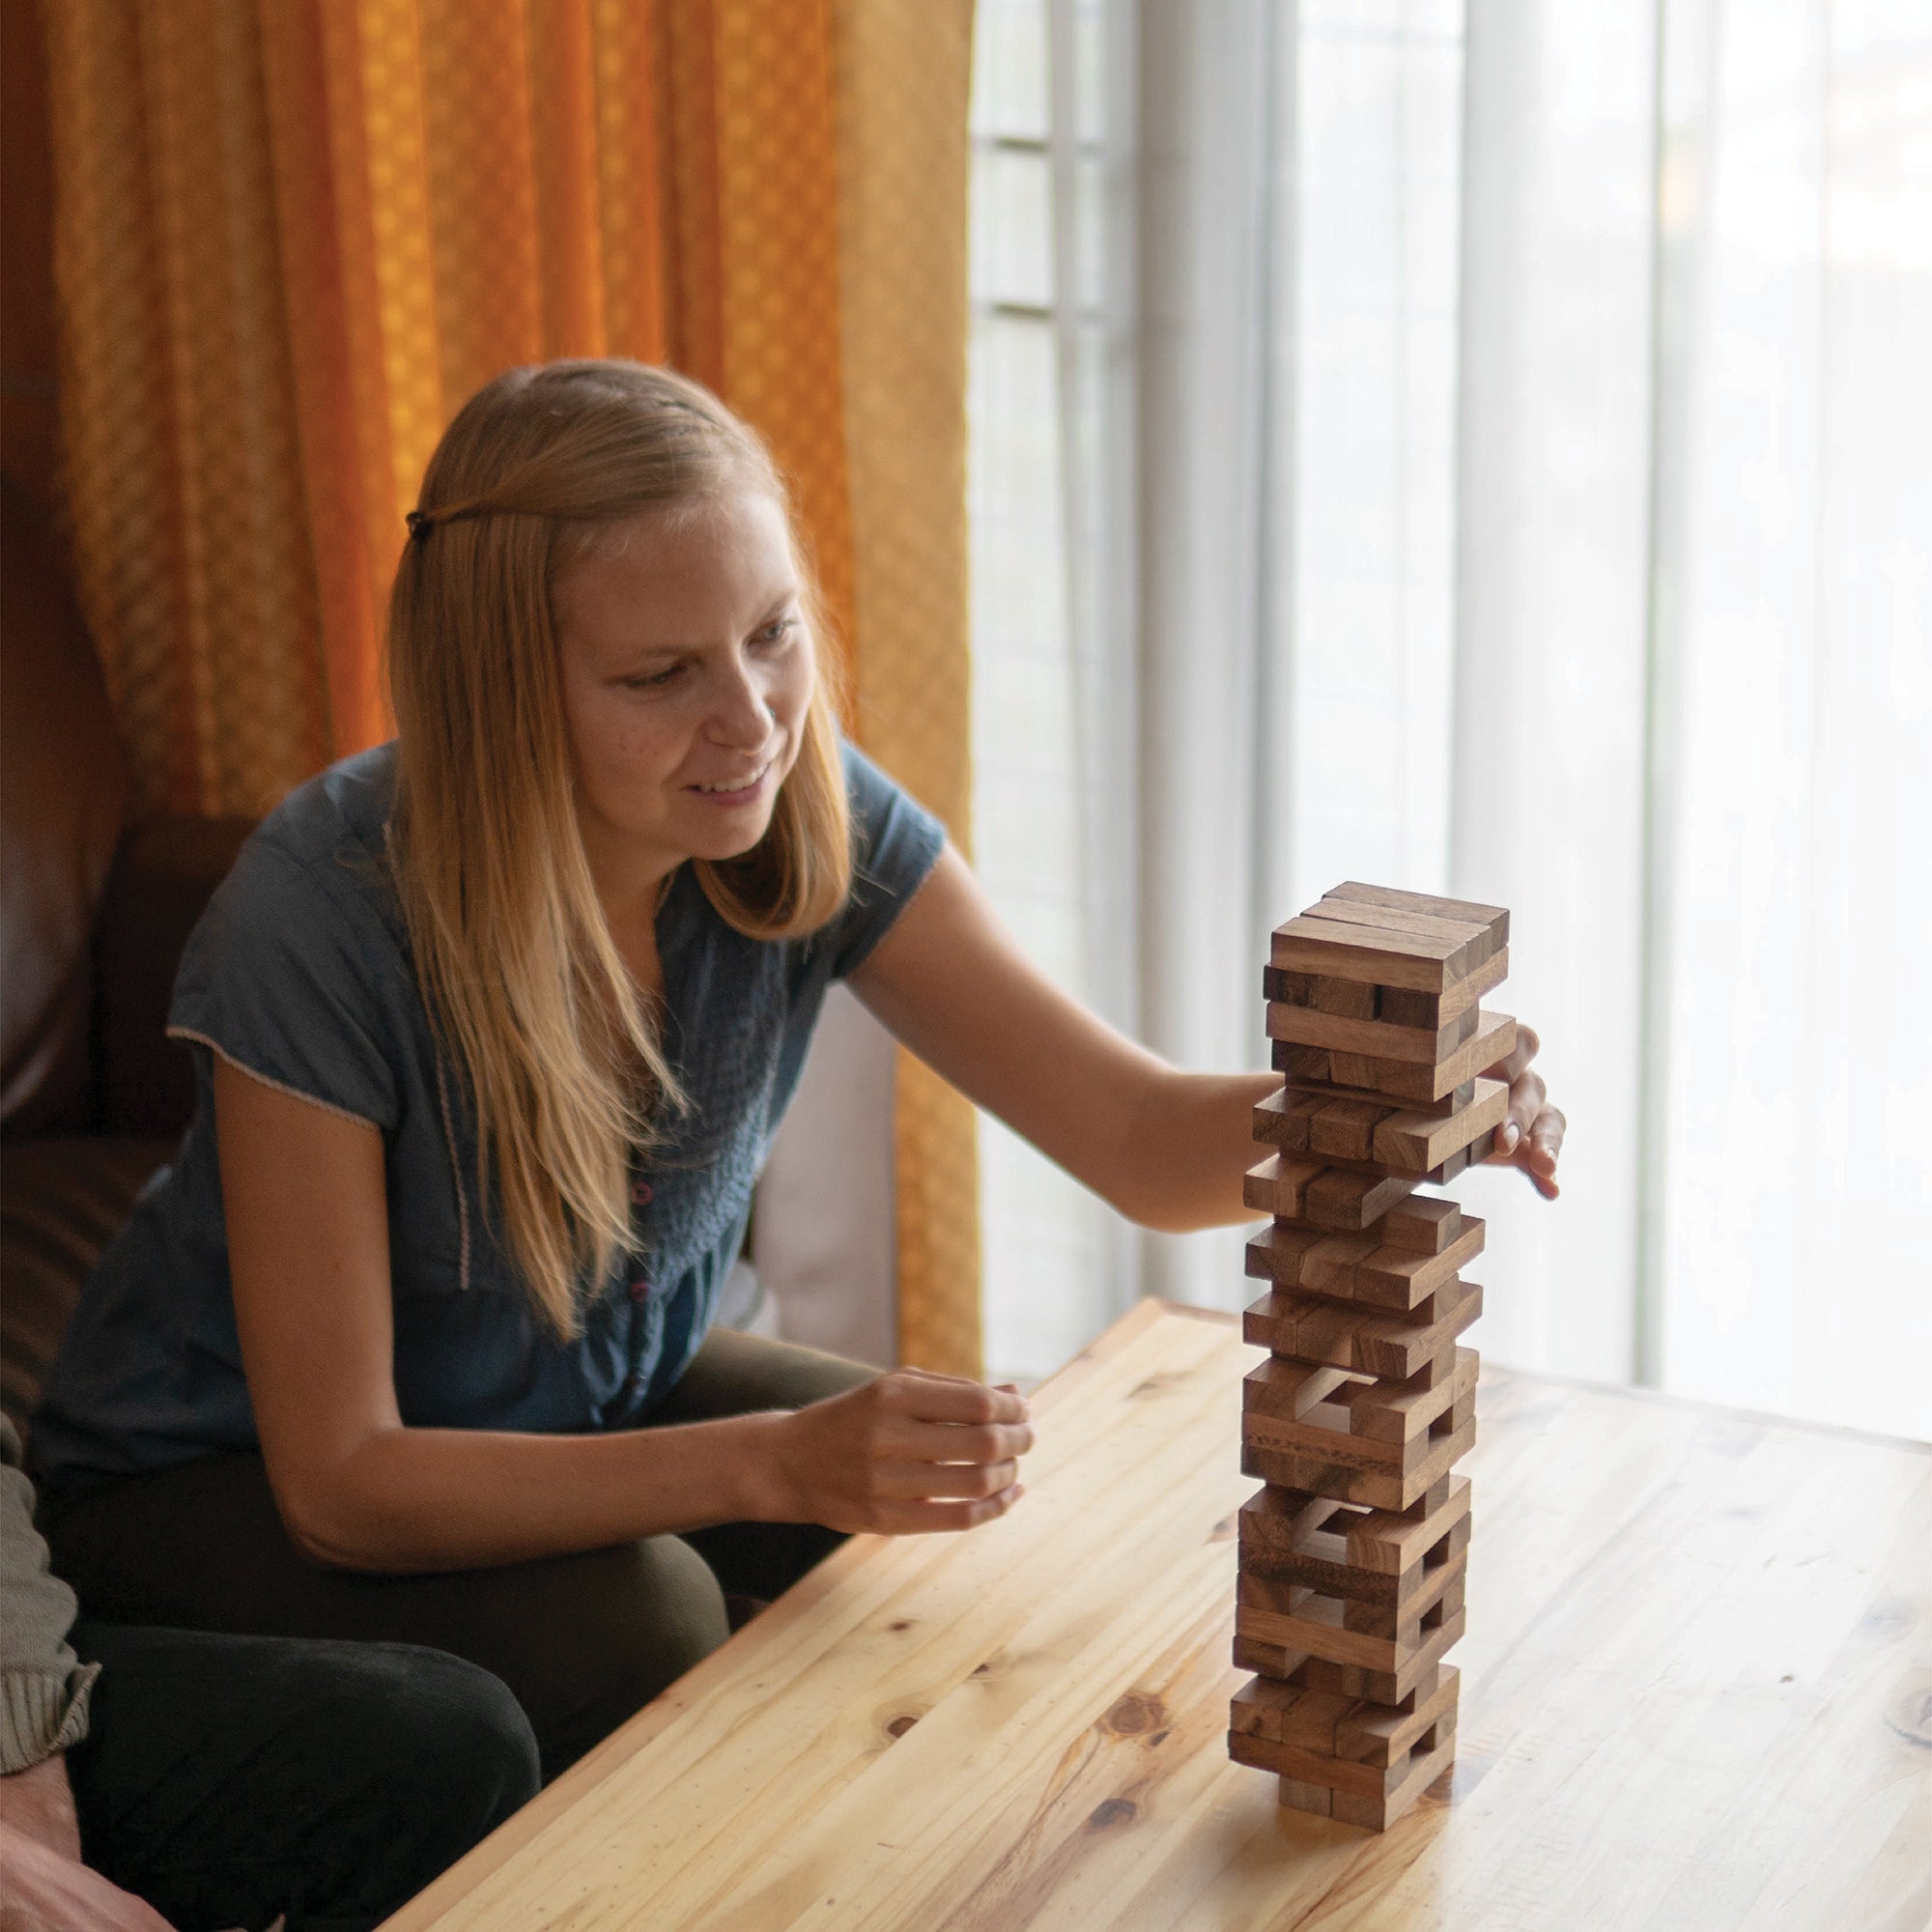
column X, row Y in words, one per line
column 292, row 236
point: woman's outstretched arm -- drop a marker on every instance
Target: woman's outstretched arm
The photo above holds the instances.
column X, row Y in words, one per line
column 305, row 1199
column 1167, row 1148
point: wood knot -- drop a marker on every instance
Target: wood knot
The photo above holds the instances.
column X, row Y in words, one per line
column 1910, row 1713
column 1135, row 1713
column 899, row 1624
column 1223, row 1531
column 900, row 1725
column 1109, row 1812
column 1155, row 1385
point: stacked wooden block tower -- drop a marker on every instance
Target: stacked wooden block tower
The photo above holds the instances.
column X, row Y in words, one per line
column 1351, row 1556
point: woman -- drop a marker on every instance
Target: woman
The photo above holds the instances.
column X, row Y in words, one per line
column 493, row 1026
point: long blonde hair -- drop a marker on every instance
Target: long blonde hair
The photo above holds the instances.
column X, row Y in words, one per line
column 526, row 988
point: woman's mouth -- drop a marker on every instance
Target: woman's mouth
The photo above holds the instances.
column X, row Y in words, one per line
column 734, row 792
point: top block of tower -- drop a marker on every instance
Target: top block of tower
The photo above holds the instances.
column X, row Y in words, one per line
column 1391, row 938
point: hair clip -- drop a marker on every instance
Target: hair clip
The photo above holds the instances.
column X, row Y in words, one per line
column 421, row 525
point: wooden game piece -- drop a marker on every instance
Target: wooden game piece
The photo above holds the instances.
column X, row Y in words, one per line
column 1341, row 1199
column 1383, row 1686
column 1473, row 943
column 1283, row 1118
column 1427, row 962
column 1422, row 1141
column 1328, row 1090
column 1312, row 1329
column 1311, row 1455
column 1348, row 1728
column 1279, row 1186
column 1357, row 1268
column 1492, row 1042
column 1495, row 919
column 1310, row 1026
column 1424, row 1223
column 1404, row 1005
column 1347, row 1130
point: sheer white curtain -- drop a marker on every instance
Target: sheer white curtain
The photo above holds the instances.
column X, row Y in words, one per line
column 1529, row 411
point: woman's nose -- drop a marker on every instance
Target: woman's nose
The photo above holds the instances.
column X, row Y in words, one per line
column 741, row 715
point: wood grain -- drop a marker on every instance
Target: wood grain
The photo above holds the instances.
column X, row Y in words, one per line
column 1694, row 1645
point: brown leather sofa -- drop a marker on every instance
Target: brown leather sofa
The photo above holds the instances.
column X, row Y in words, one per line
column 94, row 913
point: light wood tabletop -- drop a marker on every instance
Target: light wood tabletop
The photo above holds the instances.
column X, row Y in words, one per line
column 1696, row 1693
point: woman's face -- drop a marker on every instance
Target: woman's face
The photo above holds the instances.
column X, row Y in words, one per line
column 687, row 673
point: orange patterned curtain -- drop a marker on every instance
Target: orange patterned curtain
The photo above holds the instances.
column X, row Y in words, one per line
column 292, row 236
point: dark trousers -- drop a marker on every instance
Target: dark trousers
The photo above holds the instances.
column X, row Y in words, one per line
column 228, row 1779
column 582, row 1641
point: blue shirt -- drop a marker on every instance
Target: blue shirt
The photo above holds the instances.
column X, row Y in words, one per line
column 299, row 971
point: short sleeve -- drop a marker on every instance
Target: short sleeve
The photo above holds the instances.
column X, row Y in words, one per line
column 895, row 842
column 292, row 977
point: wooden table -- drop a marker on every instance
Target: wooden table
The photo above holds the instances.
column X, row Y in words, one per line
column 1695, row 1695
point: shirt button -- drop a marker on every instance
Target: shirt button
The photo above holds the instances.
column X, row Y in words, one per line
column 641, row 1193
column 640, row 1290
column 633, row 1383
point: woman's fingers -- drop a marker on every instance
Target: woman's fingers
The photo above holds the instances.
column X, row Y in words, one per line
column 906, row 1441
column 1527, row 1046
column 912, row 1482
column 931, row 1398
column 922, row 1519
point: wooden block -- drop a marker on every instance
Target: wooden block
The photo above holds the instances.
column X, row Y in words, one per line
column 1495, row 919
column 1347, row 1550
column 1386, row 1475
column 1309, row 1026
column 1282, row 1120
column 1348, row 999
column 1287, row 1390
column 1418, row 1141
column 1318, row 1624
column 1341, row 1199
column 1472, row 942
column 1403, row 1412
column 1389, row 1277
column 1279, row 1185
column 1424, row 1223
column 1276, row 1253
column 1383, row 1686
column 1302, row 1063
column 1350, row 1729
column 1429, row 962
column 1440, row 1579
column 1447, row 1104
column 1307, row 1328
column 1404, row 1005
column 1425, row 1765
column 1317, row 1799
column 1347, row 1129
column 1369, row 1079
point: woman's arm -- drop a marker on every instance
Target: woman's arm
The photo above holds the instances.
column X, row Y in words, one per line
column 1167, row 1148
column 305, row 1199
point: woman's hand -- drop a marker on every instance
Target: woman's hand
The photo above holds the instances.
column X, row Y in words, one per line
column 1531, row 1135
column 906, row 1453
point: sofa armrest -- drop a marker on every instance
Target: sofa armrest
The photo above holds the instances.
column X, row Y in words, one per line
column 163, row 874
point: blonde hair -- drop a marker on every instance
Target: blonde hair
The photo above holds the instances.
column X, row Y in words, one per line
column 526, row 988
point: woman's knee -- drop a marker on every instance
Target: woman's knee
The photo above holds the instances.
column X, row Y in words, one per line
column 636, row 1619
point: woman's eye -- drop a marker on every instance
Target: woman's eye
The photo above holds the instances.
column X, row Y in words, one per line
column 775, row 630
column 657, row 680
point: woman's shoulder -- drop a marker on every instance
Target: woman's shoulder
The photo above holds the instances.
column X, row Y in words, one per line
column 329, row 838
